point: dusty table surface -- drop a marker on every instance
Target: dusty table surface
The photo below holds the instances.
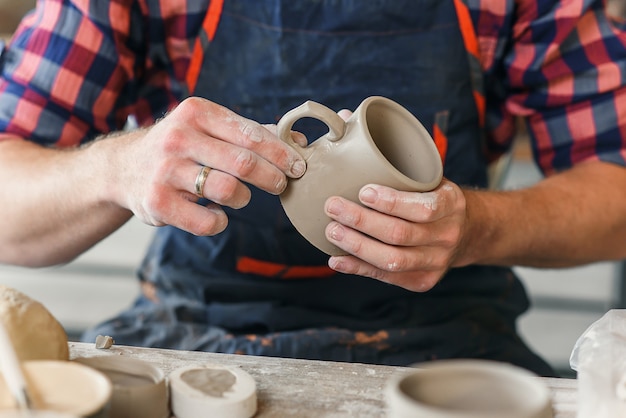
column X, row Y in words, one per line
column 307, row 388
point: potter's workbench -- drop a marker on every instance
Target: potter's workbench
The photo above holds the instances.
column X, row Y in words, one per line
column 305, row 388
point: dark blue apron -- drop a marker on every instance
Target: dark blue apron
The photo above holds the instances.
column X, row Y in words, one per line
column 259, row 287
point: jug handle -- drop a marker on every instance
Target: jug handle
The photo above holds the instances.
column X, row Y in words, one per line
column 336, row 125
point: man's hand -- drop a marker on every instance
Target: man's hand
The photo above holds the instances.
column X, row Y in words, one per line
column 406, row 239
column 155, row 170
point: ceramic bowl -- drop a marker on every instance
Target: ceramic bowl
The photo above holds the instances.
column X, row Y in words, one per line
column 468, row 389
column 63, row 387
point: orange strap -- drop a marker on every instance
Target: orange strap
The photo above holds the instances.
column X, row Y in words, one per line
column 471, row 45
column 209, row 26
column 282, row 271
column 439, row 134
column 467, row 27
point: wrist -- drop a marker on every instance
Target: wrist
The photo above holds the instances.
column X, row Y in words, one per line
column 103, row 179
column 478, row 229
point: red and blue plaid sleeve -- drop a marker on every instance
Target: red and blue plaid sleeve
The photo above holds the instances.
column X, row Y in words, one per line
column 76, row 69
column 562, row 66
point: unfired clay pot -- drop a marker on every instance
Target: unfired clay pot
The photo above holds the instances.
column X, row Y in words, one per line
column 381, row 143
column 468, row 389
column 139, row 387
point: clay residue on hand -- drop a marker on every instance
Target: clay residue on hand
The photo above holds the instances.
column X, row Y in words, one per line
column 212, row 382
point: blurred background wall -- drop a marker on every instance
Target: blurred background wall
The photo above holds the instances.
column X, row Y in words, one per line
column 11, row 12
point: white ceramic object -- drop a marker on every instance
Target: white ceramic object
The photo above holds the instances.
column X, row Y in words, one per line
column 139, row 388
column 468, row 389
column 63, row 387
column 212, row 390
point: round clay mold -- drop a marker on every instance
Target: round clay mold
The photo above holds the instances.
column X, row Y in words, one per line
column 212, row 390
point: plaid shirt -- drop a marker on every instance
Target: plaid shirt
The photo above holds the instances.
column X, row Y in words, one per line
column 78, row 68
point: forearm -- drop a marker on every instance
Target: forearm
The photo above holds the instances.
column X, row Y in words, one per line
column 65, row 201
column 575, row 217
column 55, row 203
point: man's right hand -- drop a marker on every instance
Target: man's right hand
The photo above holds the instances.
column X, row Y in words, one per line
column 61, row 202
column 154, row 169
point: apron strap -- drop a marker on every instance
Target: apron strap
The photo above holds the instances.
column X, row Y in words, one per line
column 214, row 13
column 209, row 26
column 282, row 271
column 471, row 45
column 440, row 128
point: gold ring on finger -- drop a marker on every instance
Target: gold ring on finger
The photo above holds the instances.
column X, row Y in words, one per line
column 200, row 180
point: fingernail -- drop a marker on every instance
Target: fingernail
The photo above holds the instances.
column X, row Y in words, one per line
column 334, row 206
column 335, row 263
column 281, row 185
column 298, row 168
column 368, row 195
column 336, row 232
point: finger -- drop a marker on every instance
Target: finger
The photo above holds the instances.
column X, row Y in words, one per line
column 219, row 122
column 202, row 220
column 416, row 281
column 412, row 206
column 415, row 269
column 236, row 161
column 224, row 189
column 386, row 228
column 298, row 137
column 180, row 210
column 244, row 165
column 381, row 255
column 345, row 114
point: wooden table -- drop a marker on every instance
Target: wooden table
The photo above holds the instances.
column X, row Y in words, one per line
column 305, row 388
